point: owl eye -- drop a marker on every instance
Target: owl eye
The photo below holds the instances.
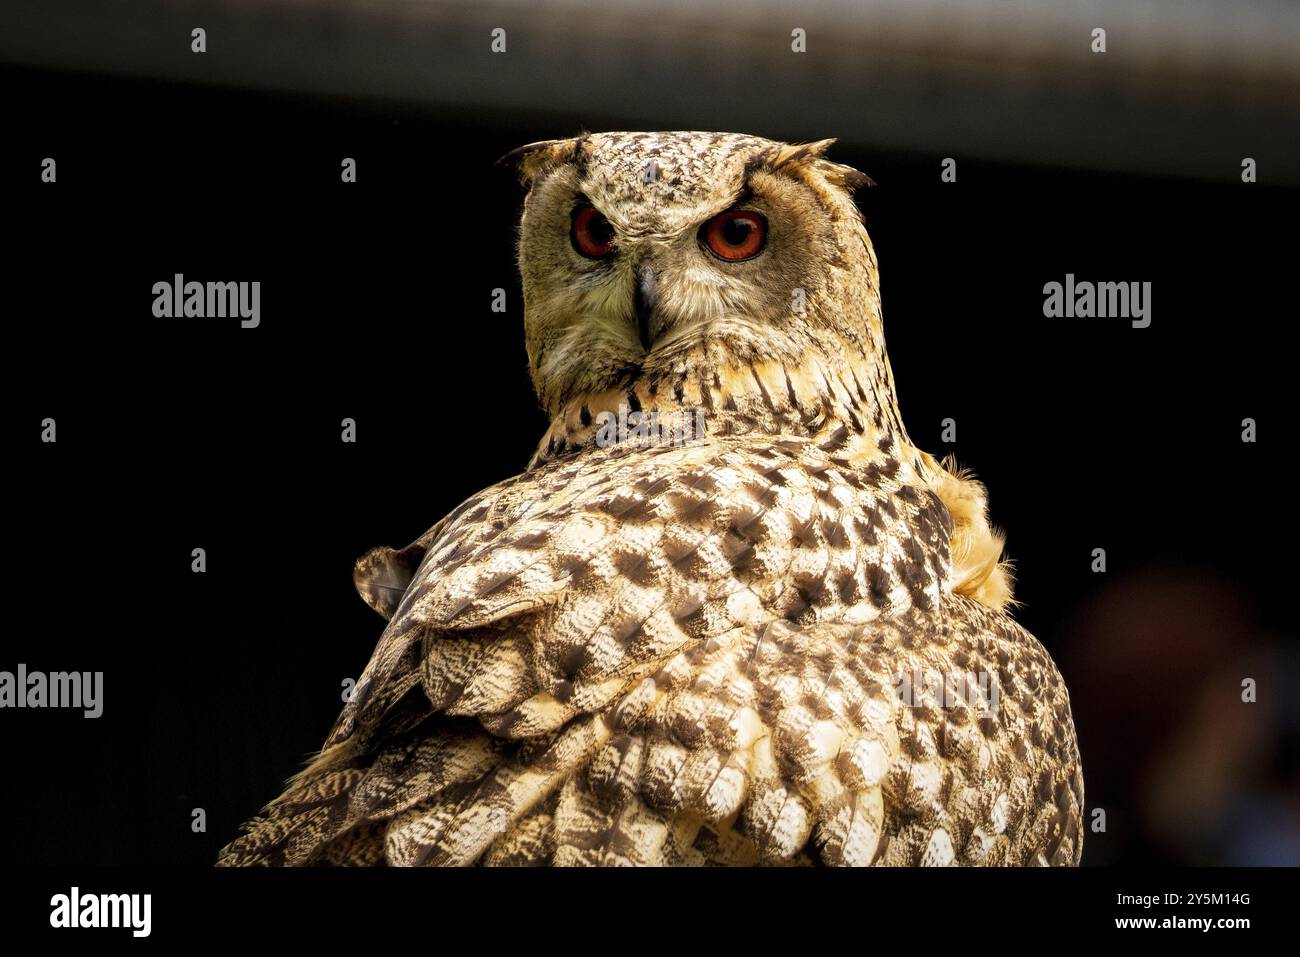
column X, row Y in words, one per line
column 735, row 235
column 592, row 235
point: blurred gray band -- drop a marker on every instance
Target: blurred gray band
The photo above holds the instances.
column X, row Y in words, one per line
column 1185, row 88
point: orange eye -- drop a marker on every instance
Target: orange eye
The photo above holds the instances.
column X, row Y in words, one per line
column 592, row 235
column 735, row 235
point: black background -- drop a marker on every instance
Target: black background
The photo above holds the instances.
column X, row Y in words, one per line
column 176, row 434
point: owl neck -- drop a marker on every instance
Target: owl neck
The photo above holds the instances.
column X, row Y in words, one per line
column 847, row 403
column 847, row 408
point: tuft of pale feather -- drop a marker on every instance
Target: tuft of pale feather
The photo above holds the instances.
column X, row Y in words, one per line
column 978, row 571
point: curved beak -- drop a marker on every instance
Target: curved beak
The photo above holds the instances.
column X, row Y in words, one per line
column 645, row 296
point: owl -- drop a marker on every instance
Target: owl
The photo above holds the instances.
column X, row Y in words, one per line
column 729, row 614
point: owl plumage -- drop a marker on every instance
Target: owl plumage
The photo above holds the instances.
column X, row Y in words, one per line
column 776, row 640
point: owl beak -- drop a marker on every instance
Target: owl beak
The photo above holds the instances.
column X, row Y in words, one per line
column 646, row 295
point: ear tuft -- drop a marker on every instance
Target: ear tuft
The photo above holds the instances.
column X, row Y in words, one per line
column 813, row 154
column 845, row 177
column 532, row 159
column 795, row 153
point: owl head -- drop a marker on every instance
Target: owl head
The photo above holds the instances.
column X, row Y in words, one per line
column 652, row 259
column 728, row 271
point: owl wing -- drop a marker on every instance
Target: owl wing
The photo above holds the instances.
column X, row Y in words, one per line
column 382, row 575
column 626, row 658
column 847, row 745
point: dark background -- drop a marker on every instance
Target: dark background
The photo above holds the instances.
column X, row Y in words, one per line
column 375, row 304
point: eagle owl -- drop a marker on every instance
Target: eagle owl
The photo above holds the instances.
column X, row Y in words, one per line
column 729, row 614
